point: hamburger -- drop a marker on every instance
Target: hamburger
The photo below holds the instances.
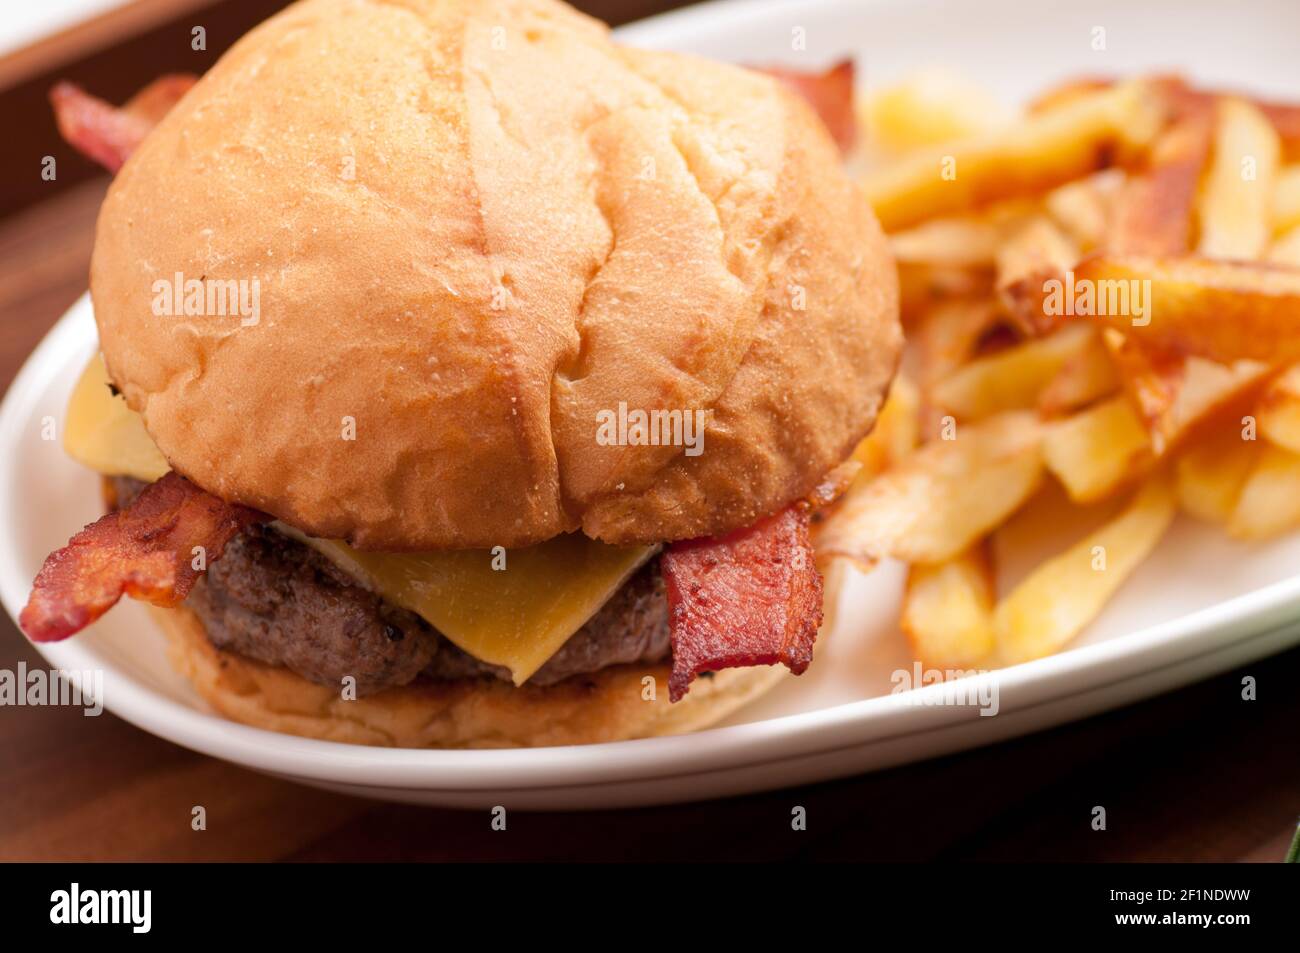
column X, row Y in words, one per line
column 469, row 379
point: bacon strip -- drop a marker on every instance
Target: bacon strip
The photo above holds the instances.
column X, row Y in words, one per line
column 147, row 551
column 751, row 598
column 109, row 134
column 829, row 93
column 156, row 100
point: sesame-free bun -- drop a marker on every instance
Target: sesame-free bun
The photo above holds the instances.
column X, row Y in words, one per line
column 609, row 705
column 474, row 226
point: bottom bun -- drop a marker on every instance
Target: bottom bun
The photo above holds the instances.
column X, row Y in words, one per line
column 604, row 706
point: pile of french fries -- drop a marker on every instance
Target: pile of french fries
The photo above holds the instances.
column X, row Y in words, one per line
column 1176, row 386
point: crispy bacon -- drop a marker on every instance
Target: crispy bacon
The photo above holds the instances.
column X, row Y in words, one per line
column 753, row 597
column 830, row 94
column 107, row 133
column 148, row 551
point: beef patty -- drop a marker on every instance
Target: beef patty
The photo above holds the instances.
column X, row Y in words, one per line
column 274, row 599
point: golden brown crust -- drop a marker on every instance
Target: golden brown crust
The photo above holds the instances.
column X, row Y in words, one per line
column 607, row 706
column 475, row 225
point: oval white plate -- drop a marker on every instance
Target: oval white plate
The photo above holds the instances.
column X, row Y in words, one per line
column 1200, row 605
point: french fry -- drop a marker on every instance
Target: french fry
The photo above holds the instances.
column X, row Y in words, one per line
column 1046, row 524
column 1269, row 503
column 1286, row 250
column 1278, row 414
column 1037, row 153
column 1206, row 392
column 949, row 334
column 1285, row 212
column 1084, row 207
column 1010, row 379
column 1068, row 91
column 940, row 499
column 948, row 610
column 1210, row 475
column 896, row 433
column 1175, row 396
column 1285, row 118
column 1103, row 290
column 945, row 339
column 1035, row 250
column 964, row 242
column 1085, row 377
column 1154, row 213
column 1150, row 380
column 1054, row 603
column 1098, row 449
column 923, row 286
column 1220, row 310
column 928, row 108
column 1235, row 203
column 1181, row 100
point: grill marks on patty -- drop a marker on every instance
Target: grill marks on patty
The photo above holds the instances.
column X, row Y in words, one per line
column 276, row 600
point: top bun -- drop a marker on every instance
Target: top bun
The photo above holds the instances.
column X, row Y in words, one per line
column 473, row 226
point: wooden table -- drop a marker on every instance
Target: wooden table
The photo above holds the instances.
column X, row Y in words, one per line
column 1195, row 775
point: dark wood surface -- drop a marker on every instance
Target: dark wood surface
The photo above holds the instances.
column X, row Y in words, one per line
column 1196, row 775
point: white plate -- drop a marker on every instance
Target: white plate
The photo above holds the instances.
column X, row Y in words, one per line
column 1200, row 605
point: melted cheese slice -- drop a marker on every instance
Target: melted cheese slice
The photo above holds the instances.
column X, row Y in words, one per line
column 104, row 434
column 512, row 608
